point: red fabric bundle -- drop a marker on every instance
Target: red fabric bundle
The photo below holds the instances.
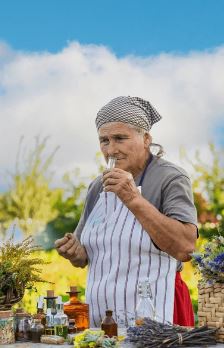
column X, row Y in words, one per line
column 183, row 311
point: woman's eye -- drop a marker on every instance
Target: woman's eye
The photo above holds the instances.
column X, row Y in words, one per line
column 104, row 141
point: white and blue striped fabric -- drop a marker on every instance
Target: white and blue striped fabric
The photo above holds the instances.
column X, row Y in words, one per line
column 121, row 254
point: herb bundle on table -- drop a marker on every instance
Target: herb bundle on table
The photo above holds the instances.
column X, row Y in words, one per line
column 154, row 334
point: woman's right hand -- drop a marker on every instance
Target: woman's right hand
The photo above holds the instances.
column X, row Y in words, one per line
column 70, row 248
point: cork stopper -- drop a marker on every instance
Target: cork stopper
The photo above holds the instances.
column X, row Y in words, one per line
column 6, row 314
column 50, row 293
column 19, row 310
column 21, row 313
column 73, row 289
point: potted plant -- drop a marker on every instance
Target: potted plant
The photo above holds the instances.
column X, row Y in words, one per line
column 210, row 265
column 19, row 270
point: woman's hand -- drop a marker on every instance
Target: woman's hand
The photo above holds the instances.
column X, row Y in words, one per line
column 70, row 248
column 121, row 183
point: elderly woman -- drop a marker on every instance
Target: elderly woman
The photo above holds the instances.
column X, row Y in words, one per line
column 139, row 221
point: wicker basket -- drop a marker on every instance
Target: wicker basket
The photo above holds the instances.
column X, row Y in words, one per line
column 211, row 307
column 11, row 297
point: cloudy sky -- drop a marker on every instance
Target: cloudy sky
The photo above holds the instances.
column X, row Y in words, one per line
column 60, row 61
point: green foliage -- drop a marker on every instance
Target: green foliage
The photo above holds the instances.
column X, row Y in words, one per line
column 69, row 208
column 208, row 187
column 30, row 198
column 39, row 208
column 17, row 266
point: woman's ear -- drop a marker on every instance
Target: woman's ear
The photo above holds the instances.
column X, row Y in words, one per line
column 147, row 140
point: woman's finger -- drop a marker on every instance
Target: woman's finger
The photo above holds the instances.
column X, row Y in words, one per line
column 63, row 248
column 110, row 181
column 59, row 242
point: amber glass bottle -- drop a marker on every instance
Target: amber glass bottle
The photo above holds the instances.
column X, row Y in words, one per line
column 77, row 310
column 109, row 326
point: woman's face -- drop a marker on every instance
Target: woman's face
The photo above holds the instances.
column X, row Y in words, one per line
column 129, row 147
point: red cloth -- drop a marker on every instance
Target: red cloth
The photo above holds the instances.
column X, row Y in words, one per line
column 183, row 311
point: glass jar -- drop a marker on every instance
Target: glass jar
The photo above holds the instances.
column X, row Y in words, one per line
column 37, row 329
column 7, row 334
column 23, row 322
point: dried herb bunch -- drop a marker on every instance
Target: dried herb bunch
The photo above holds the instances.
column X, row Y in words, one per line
column 19, row 270
column 154, row 334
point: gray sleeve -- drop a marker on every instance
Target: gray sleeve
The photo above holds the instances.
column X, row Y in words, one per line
column 177, row 200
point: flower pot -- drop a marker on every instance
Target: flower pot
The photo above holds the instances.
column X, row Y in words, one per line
column 211, row 307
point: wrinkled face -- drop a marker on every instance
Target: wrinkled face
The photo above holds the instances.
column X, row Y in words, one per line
column 129, row 147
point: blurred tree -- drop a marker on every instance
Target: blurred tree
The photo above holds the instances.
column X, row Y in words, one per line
column 208, row 188
column 31, row 199
column 69, row 208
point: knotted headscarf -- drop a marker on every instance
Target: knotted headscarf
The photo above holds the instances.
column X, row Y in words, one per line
column 131, row 110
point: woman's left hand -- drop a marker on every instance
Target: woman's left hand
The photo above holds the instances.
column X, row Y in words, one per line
column 121, row 183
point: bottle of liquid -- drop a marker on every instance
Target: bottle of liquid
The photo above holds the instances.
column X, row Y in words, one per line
column 77, row 310
column 145, row 307
column 60, row 321
column 108, row 325
column 72, row 326
column 37, row 330
column 51, row 312
column 40, row 311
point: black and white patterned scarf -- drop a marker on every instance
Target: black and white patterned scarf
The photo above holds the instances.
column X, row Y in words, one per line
column 132, row 110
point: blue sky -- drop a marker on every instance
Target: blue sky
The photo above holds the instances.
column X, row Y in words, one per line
column 142, row 27
column 61, row 60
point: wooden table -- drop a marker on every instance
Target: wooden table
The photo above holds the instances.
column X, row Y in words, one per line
column 41, row 345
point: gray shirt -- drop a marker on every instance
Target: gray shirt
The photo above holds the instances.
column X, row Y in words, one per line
column 165, row 185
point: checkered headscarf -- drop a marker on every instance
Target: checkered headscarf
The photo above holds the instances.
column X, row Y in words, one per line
column 131, row 110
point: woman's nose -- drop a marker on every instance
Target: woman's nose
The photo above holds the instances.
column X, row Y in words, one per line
column 111, row 149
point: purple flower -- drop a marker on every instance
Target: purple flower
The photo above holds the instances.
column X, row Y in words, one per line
column 198, row 258
column 219, row 258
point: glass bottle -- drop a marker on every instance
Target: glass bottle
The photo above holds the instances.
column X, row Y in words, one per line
column 72, row 326
column 145, row 307
column 77, row 310
column 51, row 312
column 37, row 329
column 61, row 321
column 108, row 325
column 22, row 321
column 40, row 311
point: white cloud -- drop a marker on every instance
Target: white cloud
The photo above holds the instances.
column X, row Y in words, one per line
column 60, row 94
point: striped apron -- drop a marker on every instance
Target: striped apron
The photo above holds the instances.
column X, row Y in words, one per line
column 120, row 255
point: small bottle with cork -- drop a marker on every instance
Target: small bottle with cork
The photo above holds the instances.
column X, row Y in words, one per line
column 77, row 310
column 108, row 325
column 51, row 312
column 40, row 310
column 60, row 319
column 37, row 330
